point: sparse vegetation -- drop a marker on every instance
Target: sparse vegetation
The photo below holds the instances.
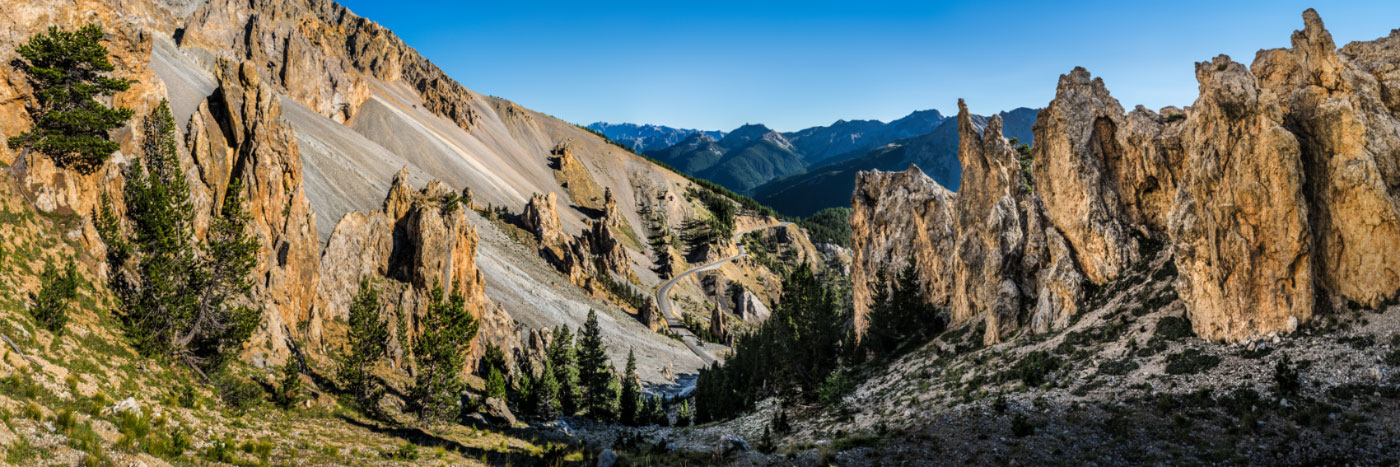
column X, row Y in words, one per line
column 1190, row 362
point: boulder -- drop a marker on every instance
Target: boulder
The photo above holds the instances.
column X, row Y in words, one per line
column 496, row 410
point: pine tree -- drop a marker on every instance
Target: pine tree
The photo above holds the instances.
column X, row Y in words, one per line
column 495, row 384
column 631, row 401
column 67, row 71
column 595, row 373
column 366, row 341
column 56, row 289
column 564, row 360
column 448, row 330
column 547, row 391
column 181, row 297
column 289, row 387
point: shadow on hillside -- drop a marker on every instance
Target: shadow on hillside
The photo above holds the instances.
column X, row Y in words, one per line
column 423, row 438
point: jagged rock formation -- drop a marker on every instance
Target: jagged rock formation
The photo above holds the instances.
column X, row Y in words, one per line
column 576, row 257
column 718, row 328
column 416, row 242
column 898, row 218
column 541, row 218
column 750, row 308
column 1274, row 191
column 1076, row 137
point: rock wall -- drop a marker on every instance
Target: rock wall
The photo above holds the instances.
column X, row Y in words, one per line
column 1275, row 191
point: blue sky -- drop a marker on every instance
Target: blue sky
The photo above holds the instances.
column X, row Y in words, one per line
column 719, row 64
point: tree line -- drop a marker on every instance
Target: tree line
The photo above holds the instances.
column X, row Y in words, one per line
column 806, row 351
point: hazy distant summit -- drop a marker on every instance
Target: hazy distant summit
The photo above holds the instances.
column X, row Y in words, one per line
column 646, row 137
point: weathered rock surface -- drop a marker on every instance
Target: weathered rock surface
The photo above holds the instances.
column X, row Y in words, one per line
column 1343, row 110
column 899, row 218
column 989, row 226
column 417, row 242
column 1274, row 190
column 1239, row 224
column 1076, row 137
column 749, row 307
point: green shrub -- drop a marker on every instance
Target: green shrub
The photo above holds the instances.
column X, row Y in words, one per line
column 1173, row 328
column 837, row 385
column 1286, row 378
column 1190, row 362
column 238, row 393
column 1021, row 426
column 56, row 289
column 289, row 387
column 1117, row 367
column 1035, row 368
column 406, row 452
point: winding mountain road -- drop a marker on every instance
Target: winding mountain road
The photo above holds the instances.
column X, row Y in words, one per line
column 673, row 321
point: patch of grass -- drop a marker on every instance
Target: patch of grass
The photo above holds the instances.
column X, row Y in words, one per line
column 858, row 441
column 1190, row 362
column 21, row 452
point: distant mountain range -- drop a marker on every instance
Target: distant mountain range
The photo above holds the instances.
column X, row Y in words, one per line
column 754, row 154
column 642, row 138
column 801, row 172
column 830, row 184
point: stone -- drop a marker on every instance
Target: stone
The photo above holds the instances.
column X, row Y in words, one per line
column 1238, row 225
column 607, row 458
column 496, row 410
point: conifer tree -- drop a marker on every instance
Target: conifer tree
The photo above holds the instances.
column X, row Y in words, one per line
column 181, row 297
column 564, row 360
column 448, row 330
column 289, row 387
column 366, row 343
column 67, row 70
column 595, row 373
column 547, row 390
column 630, row 403
column 56, row 289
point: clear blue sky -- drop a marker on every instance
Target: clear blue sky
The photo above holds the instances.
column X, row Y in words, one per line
column 719, row 64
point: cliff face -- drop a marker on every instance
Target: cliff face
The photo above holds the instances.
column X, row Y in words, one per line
column 1275, row 192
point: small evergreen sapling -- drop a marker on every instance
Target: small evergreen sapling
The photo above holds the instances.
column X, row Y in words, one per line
column 56, row 289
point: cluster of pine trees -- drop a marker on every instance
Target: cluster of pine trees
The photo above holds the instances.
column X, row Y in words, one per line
column 805, row 352
column 439, row 353
column 179, row 295
column 576, row 378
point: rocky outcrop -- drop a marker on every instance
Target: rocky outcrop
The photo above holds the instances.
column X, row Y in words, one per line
column 899, row 218
column 1077, row 137
column 1344, row 110
column 650, row 315
column 611, row 215
column 414, row 244
column 1239, row 224
column 320, row 54
column 541, row 218
column 1274, row 192
column 719, row 329
column 989, row 226
column 750, row 308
